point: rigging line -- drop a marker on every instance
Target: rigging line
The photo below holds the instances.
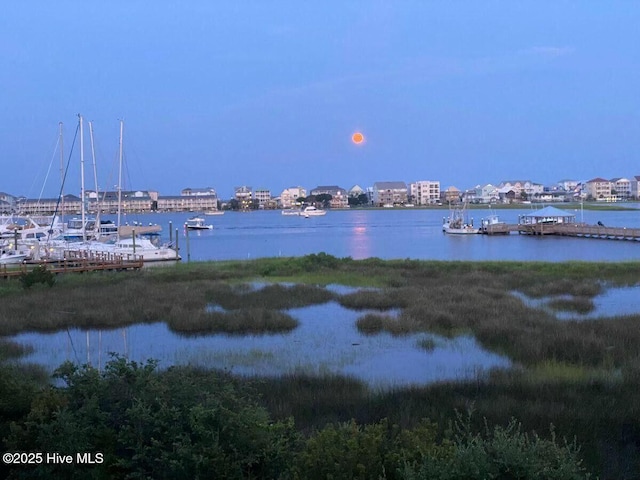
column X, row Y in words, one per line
column 73, row 347
column 64, row 178
column 49, row 169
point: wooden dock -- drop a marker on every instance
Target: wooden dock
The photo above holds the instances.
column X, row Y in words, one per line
column 565, row 230
column 77, row 261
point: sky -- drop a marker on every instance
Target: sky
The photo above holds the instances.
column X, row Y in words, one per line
column 268, row 93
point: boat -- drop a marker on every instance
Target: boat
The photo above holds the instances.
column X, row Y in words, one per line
column 312, row 211
column 138, row 247
column 214, row 212
column 197, row 223
column 291, row 212
column 9, row 257
column 457, row 223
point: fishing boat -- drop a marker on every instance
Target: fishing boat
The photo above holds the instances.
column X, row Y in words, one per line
column 458, row 223
column 197, row 223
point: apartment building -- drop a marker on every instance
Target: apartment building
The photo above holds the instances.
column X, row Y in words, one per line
column 425, row 192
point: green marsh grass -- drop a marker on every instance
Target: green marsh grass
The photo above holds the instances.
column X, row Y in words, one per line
column 236, row 322
column 580, row 304
column 13, row 350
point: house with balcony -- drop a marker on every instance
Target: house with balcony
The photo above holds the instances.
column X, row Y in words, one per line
column 425, row 192
column 262, row 196
column 487, row 193
column 451, row 195
column 598, row 189
column 390, row 193
column 522, row 189
column 635, row 187
column 621, row 188
column 68, row 204
column 289, row 196
column 339, row 196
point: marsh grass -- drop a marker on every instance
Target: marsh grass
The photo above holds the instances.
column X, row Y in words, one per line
column 13, row 350
column 236, row 322
column 428, row 344
column 272, row 296
column 580, row 305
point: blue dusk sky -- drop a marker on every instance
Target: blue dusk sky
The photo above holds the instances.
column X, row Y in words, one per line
column 268, row 93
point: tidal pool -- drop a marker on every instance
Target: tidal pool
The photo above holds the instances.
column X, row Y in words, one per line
column 612, row 302
column 325, row 342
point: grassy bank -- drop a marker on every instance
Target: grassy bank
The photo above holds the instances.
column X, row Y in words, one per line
column 580, row 376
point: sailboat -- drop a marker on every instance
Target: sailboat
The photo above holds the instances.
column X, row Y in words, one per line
column 133, row 245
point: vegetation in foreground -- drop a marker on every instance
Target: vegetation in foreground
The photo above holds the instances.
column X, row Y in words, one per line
column 580, row 376
column 186, row 423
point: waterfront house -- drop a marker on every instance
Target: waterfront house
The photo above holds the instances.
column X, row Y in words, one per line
column 620, row 188
column 451, row 195
column 390, row 193
column 68, row 204
column 339, row 196
column 262, row 196
column 7, row 202
column 487, row 193
column 289, row 196
column 598, row 189
column 356, row 191
column 186, row 203
column 635, row 187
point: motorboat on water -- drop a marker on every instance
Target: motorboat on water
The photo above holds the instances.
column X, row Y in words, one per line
column 11, row 257
column 197, row 223
column 214, row 212
column 291, row 212
column 312, row 211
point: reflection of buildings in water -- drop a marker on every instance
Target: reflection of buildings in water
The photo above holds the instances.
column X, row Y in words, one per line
column 359, row 243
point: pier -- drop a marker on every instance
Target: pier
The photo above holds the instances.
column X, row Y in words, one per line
column 564, row 229
column 77, row 261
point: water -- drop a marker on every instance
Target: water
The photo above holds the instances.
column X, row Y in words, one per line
column 326, row 341
column 388, row 234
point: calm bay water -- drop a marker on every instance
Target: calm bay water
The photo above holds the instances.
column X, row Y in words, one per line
column 326, row 340
column 387, row 234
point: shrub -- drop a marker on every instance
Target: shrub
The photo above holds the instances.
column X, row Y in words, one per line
column 39, row 274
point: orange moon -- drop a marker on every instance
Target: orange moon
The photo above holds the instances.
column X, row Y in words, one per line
column 357, row 138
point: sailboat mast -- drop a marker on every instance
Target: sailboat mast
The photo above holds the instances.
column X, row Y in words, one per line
column 120, row 177
column 84, row 233
column 61, row 173
column 95, row 180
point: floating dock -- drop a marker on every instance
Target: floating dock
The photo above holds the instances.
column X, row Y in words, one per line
column 77, row 261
